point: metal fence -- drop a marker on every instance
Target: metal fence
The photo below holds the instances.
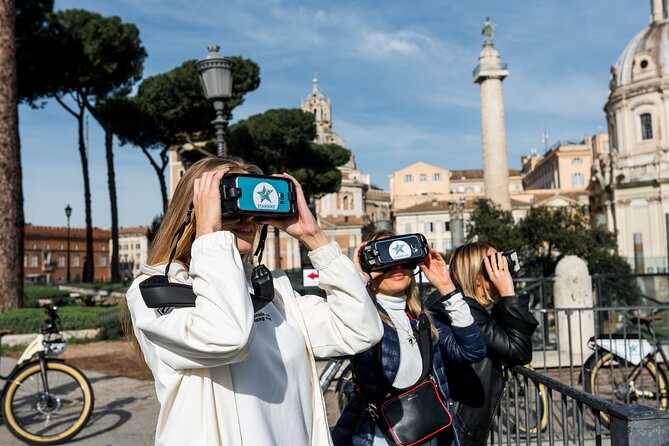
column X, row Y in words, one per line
column 537, row 409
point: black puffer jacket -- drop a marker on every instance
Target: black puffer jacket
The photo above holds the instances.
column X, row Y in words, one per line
column 476, row 388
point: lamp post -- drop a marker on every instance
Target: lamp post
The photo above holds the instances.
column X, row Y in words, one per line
column 216, row 77
column 68, row 213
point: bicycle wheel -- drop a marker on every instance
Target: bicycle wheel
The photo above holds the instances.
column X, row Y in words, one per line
column 43, row 418
column 345, row 388
column 609, row 377
column 526, row 407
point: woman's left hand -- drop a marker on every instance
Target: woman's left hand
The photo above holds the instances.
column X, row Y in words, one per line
column 302, row 225
column 435, row 270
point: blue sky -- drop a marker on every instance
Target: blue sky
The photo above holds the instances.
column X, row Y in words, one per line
column 398, row 74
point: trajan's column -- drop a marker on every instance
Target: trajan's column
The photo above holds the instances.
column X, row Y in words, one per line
column 489, row 74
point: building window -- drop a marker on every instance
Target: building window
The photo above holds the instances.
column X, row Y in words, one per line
column 76, row 247
column 577, row 180
column 408, row 178
column 75, row 261
column 469, row 190
column 181, row 173
column 646, row 126
column 606, row 146
column 436, row 177
column 429, row 227
column 60, row 246
column 432, row 245
column 33, row 245
column 33, row 261
column 103, row 260
column 103, row 248
column 423, row 178
column 25, row 261
column 407, row 228
column 447, row 245
column 137, row 246
column 46, row 246
column 61, row 261
column 577, row 161
column 447, row 226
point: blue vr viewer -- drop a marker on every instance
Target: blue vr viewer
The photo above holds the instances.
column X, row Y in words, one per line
column 257, row 195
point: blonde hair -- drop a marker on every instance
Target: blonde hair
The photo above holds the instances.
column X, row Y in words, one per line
column 465, row 266
column 162, row 245
column 413, row 299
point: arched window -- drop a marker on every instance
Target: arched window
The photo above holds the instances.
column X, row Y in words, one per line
column 346, row 202
column 577, row 180
column 646, row 126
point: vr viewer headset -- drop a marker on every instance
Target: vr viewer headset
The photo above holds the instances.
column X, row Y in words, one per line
column 511, row 259
column 385, row 253
column 257, row 195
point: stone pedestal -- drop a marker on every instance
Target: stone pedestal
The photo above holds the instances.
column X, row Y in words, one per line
column 575, row 324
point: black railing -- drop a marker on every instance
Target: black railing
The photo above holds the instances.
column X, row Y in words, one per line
column 538, row 409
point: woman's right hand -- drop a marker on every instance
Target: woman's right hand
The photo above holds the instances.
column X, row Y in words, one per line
column 499, row 274
column 207, row 202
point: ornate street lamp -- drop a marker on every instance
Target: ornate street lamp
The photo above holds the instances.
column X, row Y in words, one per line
column 68, row 213
column 216, row 77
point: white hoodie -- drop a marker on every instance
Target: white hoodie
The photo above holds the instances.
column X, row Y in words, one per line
column 189, row 350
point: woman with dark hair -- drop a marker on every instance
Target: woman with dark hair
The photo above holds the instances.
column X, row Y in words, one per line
column 397, row 360
column 507, row 326
column 227, row 375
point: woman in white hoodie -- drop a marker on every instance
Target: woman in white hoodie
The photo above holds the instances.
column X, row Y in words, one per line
column 224, row 375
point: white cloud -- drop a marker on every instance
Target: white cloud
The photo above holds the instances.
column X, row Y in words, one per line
column 400, row 43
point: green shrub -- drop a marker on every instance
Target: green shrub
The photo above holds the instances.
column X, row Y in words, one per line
column 31, row 294
column 73, row 317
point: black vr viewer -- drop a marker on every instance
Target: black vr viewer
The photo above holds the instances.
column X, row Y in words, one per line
column 385, row 253
column 257, row 195
column 511, row 259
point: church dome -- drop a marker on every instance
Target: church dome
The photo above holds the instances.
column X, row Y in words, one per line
column 646, row 56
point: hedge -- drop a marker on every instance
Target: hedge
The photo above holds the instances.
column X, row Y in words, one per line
column 31, row 293
column 73, row 317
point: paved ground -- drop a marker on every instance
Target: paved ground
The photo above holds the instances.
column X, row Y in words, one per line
column 125, row 412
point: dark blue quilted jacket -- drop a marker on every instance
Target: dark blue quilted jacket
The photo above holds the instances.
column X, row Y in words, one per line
column 355, row 427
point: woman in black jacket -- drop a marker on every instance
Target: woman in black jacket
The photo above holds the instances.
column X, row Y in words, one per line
column 507, row 326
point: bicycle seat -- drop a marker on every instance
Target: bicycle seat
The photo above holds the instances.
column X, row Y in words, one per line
column 645, row 320
column 5, row 332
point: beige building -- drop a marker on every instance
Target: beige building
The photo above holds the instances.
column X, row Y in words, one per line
column 423, row 182
column 133, row 250
column 565, row 166
column 630, row 188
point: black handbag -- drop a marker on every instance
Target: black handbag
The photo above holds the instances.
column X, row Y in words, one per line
column 415, row 414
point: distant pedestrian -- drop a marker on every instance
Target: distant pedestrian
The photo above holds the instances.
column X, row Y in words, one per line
column 226, row 375
column 397, row 360
column 507, row 326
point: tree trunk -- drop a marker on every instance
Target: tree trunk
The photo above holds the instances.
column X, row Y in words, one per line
column 89, row 261
column 11, row 198
column 111, row 181
column 160, row 172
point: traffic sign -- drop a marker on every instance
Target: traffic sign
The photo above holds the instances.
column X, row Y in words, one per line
column 309, row 277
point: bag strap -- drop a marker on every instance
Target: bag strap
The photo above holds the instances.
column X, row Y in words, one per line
column 426, row 354
column 158, row 292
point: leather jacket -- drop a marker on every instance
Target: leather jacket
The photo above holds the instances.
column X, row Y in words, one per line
column 477, row 388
